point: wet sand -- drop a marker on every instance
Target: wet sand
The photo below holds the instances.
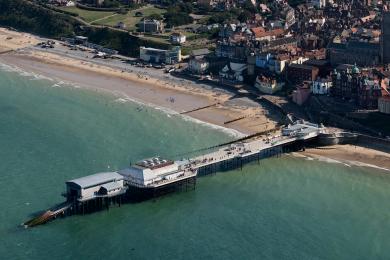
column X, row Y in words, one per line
column 351, row 154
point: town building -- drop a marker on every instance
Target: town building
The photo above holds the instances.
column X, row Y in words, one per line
column 231, row 51
column 322, row 64
column 384, row 104
column 198, row 64
column 177, row 38
column 363, row 88
column 232, row 74
column 268, row 85
column 321, row 86
column 385, row 38
column 318, row 3
column 298, row 73
column 363, row 54
column 277, row 63
column 153, row 55
column 301, row 94
column 150, row 26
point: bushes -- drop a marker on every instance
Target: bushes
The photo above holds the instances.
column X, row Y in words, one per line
column 123, row 42
column 178, row 14
column 27, row 16
column 176, row 19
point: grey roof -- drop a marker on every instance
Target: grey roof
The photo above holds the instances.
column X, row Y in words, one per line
column 96, row 179
column 112, row 186
column 301, row 66
column 200, row 52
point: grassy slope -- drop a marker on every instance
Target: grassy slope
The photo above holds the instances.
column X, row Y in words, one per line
column 112, row 20
column 130, row 19
column 86, row 15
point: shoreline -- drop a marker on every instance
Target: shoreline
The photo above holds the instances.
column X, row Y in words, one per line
column 351, row 155
column 164, row 92
column 149, row 94
column 145, row 85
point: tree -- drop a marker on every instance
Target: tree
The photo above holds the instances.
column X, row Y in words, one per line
column 155, row 16
column 176, row 19
column 244, row 16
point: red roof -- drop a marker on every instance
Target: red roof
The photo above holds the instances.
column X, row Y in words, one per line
column 257, row 30
column 275, row 32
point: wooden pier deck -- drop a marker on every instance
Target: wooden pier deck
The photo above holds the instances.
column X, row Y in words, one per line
column 244, row 150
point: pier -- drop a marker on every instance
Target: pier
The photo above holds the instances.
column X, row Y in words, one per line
column 154, row 177
column 237, row 154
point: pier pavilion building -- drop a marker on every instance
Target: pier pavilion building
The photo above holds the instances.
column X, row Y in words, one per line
column 99, row 185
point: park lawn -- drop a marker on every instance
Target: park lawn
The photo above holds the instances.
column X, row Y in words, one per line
column 87, row 15
column 129, row 19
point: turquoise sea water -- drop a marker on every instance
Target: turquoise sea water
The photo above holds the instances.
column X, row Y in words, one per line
column 287, row 208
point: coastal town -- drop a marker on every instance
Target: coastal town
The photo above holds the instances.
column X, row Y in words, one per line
column 264, row 65
column 273, row 76
column 322, row 60
column 146, row 129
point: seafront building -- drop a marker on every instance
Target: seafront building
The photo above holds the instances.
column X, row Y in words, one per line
column 154, row 55
column 268, row 85
column 143, row 178
column 99, row 185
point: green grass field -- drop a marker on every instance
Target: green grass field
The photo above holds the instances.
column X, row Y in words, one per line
column 129, row 19
column 111, row 18
column 87, row 15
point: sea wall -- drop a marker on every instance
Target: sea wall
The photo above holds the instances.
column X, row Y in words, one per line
column 338, row 138
column 376, row 143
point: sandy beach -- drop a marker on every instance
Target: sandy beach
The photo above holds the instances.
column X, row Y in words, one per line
column 149, row 87
column 351, row 155
column 153, row 87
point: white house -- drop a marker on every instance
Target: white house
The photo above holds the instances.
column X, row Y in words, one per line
column 178, row 38
column 318, row 3
column 198, row 65
column 321, row 86
column 233, row 73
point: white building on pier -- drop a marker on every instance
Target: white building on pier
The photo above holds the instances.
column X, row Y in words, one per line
column 155, row 172
column 105, row 184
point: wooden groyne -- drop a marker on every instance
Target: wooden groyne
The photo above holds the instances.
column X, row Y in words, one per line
column 199, row 108
column 234, row 120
